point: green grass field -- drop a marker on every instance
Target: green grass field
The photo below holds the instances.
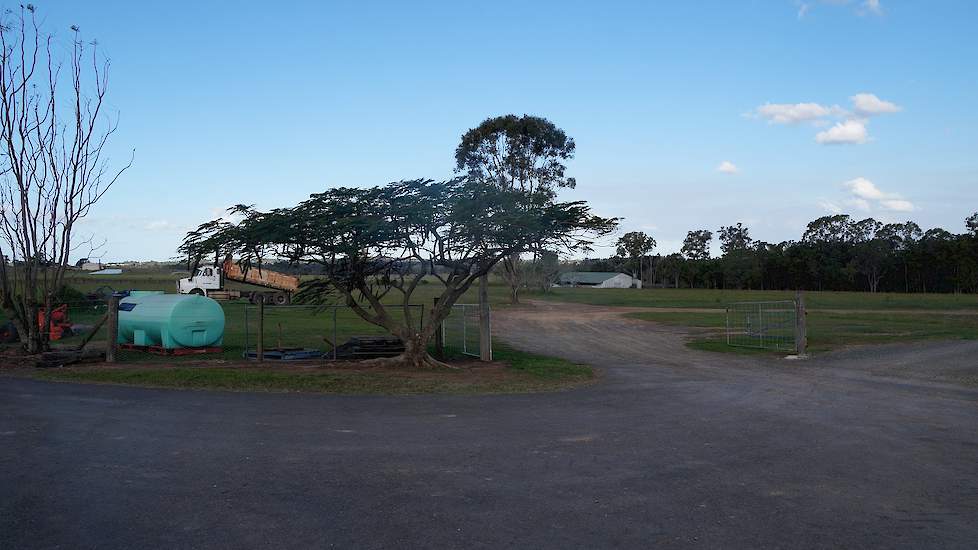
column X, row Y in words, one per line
column 524, row 372
column 831, row 330
column 835, row 319
column 718, row 299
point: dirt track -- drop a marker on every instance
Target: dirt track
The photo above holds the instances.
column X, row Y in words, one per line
column 603, row 337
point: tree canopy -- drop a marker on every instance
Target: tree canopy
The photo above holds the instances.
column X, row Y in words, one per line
column 635, row 245
column 376, row 245
column 524, row 154
column 517, row 152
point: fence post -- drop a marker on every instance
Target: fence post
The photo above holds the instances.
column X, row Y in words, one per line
column 260, row 346
column 728, row 325
column 485, row 333
column 439, row 335
column 112, row 328
column 801, row 327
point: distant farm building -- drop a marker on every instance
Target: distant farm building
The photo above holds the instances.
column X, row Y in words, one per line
column 86, row 265
column 599, row 279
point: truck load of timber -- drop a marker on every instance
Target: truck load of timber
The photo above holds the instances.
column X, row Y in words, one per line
column 210, row 281
column 261, row 277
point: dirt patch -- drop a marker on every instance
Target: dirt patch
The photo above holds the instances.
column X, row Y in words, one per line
column 602, row 336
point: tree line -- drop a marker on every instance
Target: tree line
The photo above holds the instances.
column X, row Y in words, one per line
column 836, row 252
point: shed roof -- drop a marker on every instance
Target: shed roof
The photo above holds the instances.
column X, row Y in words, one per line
column 588, row 277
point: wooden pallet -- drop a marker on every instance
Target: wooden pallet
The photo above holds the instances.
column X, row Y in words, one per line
column 369, row 347
column 160, row 350
column 286, row 354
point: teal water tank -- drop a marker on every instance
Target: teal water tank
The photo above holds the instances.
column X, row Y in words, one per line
column 150, row 318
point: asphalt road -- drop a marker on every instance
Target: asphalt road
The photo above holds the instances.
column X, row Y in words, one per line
column 673, row 448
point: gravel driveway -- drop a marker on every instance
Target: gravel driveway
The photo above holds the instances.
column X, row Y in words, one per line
column 673, row 448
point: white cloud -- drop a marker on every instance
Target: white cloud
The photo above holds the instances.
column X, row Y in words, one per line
column 897, row 205
column 866, row 195
column 866, row 7
column 869, row 105
column 830, row 206
column 864, row 189
column 845, row 132
column 727, row 167
column 794, row 113
column 871, row 7
column 842, row 125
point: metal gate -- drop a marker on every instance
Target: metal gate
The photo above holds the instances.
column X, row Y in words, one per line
column 460, row 330
column 763, row 325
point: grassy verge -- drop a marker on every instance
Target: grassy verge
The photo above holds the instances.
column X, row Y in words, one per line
column 542, row 367
column 831, row 330
column 513, row 372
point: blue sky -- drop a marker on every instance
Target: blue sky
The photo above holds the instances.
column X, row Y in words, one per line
column 245, row 102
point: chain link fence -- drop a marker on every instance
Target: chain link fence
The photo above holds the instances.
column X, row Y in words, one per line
column 71, row 324
column 318, row 332
column 460, row 331
column 290, row 332
column 763, row 325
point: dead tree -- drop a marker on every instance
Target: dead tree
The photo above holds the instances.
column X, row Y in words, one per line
column 53, row 133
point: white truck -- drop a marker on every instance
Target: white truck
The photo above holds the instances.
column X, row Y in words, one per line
column 210, row 281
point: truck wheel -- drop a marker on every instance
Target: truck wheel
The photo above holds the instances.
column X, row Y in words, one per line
column 280, row 298
column 197, row 291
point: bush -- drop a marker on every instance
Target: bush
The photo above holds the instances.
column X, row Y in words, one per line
column 67, row 295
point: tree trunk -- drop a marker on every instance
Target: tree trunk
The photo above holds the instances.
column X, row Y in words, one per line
column 415, row 355
column 511, row 269
column 33, row 343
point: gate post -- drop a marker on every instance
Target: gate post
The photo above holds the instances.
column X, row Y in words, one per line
column 485, row 333
column 260, row 346
column 801, row 326
column 112, row 328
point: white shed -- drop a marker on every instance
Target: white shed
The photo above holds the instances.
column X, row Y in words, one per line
column 599, row 279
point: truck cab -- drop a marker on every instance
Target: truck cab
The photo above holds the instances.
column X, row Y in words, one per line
column 206, row 278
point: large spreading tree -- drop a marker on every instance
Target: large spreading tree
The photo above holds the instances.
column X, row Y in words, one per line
column 375, row 246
